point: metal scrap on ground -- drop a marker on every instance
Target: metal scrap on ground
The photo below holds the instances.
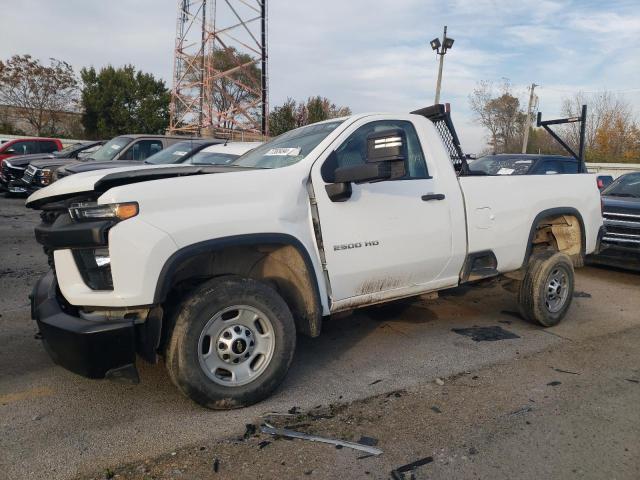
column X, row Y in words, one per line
column 397, row 474
column 282, row 432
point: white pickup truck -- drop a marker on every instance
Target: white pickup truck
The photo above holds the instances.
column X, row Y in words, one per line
column 216, row 269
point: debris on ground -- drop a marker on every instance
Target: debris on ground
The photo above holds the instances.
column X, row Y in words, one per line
column 368, row 441
column 282, row 432
column 249, row 431
column 521, row 411
column 376, row 381
column 486, row 334
column 632, row 380
column 555, row 383
column 578, row 294
column 398, row 473
column 565, row 371
column 439, row 381
column 436, row 409
column 263, row 444
column 216, row 465
column 294, row 410
column 473, row 451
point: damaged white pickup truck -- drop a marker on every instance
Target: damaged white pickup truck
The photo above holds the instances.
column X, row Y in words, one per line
column 217, row 269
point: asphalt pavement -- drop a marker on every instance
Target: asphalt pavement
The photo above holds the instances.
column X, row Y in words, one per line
column 56, row 425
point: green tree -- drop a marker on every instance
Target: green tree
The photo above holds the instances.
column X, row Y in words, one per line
column 292, row 115
column 283, row 118
column 123, row 100
column 41, row 92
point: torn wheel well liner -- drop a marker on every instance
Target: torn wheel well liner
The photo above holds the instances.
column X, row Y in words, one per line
column 549, row 217
column 279, row 259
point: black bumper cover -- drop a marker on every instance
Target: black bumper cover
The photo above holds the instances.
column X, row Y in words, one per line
column 89, row 348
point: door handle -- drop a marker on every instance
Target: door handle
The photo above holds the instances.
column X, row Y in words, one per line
column 433, row 196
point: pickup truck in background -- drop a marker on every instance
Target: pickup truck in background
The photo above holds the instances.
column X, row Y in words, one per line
column 36, row 169
column 621, row 211
column 12, row 150
column 130, row 150
column 215, row 269
column 526, row 164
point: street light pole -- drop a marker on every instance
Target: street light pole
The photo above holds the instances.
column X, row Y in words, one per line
column 441, row 49
column 527, row 126
column 441, row 53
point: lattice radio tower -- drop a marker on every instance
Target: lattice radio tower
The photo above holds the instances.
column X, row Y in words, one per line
column 220, row 84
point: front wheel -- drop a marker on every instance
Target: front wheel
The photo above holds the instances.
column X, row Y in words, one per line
column 232, row 343
column 546, row 292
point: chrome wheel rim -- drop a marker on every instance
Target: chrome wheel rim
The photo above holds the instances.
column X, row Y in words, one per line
column 236, row 345
column 557, row 290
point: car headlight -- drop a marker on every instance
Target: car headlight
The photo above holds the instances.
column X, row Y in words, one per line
column 112, row 211
column 45, row 176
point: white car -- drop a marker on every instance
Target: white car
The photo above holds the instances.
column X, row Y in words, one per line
column 217, row 268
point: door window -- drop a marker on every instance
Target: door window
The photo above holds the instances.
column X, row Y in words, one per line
column 354, row 150
column 47, row 146
column 551, row 167
column 24, row 148
column 142, row 149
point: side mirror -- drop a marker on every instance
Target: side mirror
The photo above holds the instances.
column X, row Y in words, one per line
column 385, row 161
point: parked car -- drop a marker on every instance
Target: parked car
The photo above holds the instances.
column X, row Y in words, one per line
column 525, row 164
column 621, row 212
column 217, row 268
column 13, row 149
column 132, row 149
column 41, row 173
column 37, row 167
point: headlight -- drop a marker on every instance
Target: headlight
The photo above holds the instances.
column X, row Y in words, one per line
column 45, row 176
column 113, row 211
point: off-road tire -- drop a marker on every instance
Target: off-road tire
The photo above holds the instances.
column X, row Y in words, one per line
column 182, row 360
column 533, row 291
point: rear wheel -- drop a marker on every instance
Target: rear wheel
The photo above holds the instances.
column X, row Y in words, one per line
column 232, row 343
column 546, row 292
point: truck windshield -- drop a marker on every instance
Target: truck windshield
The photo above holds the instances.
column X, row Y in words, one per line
column 494, row 165
column 626, row 186
column 110, row 149
column 288, row 148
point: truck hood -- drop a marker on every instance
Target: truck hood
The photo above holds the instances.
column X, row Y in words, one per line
column 23, row 161
column 100, row 181
column 51, row 162
column 90, row 165
column 620, row 204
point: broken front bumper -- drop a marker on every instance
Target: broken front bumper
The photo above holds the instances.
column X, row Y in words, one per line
column 93, row 349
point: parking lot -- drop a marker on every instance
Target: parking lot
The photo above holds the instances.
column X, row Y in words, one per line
column 54, row 424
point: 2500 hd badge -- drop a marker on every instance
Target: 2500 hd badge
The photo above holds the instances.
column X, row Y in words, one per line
column 349, row 246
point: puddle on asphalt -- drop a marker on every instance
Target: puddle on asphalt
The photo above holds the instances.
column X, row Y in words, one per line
column 486, row 334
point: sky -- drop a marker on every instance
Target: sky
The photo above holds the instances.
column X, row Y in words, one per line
column 369, row 55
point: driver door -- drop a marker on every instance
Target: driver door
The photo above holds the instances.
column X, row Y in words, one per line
column 391, row 237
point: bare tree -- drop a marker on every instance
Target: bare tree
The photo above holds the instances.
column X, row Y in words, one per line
column 501, row 114
column 611, row 131
column 39, row 91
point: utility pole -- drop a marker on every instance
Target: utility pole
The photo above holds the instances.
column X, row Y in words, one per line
column 441, row 49
column 527, row 125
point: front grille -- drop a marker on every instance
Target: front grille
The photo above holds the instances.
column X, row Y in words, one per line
column 29, row 174
column 11, row 172
column 622, row 226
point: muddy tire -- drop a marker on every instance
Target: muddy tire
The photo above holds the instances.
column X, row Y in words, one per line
column 232, row 343
column 546, row 291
